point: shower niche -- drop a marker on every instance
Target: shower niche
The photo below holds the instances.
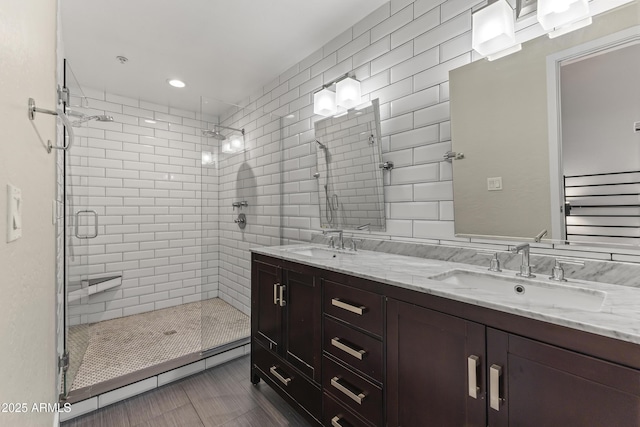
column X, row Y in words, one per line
column 350, row 170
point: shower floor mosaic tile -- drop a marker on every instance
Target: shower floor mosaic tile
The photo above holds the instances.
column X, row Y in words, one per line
column 121, row 346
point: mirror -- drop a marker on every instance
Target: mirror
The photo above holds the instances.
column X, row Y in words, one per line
column 508, row 118
column 350, row 186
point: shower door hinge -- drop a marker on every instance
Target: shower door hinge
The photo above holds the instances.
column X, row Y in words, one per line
column 63, row 361
column 63, row 95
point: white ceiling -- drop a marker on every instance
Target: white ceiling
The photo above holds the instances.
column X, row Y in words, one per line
column 222, row 49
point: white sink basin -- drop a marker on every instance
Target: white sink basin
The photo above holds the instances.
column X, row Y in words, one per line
column 524, row 291
column 319, row 253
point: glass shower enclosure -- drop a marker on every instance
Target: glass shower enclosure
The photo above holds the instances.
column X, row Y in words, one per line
column 145, row 235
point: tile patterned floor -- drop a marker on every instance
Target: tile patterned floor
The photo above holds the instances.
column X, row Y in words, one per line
column 219, row 397
column 121, row 346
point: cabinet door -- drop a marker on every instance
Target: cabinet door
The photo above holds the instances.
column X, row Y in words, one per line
column 548, row 386
column 428, row 371
column 302, row 317
column 266, row 312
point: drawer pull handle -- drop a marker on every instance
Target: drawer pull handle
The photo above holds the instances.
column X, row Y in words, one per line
column 358, row 354
column 358, row 398
column 335, row 421
column 280, row 378
column 352, row 308
column 495, row 371
column 472, row 371
column 282, row 301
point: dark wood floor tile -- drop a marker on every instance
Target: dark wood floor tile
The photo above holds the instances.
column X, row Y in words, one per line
column 156, row 402
column 183, row 416
column 275, row 406
column 221, row 409
column 255, row 418
column 111, row 416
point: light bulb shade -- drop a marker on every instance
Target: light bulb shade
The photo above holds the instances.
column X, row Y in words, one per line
column 348, row 93
column 207, row 158
column 559, row 13
column 226, row 148
column 493, row 28
column 237, row 143
column 324, row 103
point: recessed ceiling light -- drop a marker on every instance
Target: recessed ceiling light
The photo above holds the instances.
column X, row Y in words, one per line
column 176, row 83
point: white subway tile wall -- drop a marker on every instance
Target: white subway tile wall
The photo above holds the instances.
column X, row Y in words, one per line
column 157, row 208
column 402, row 53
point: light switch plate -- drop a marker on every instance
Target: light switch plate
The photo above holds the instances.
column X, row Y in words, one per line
column 494, row 184
column 14, row 213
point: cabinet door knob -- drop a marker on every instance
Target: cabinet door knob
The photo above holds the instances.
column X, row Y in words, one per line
column 358, row 398
column 358, row 354
column 495, row 372
column 473, row 362
column 359, row 310
column 283, row 380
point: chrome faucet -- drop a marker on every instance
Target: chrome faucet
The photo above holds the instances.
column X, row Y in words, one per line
column 525, row 267
column 331, row 242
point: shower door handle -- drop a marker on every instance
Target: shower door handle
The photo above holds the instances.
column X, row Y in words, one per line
column 95, row 225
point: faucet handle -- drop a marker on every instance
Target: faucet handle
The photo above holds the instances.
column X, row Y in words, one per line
column 494, row 264
column 332, row 243
column 354, row 244
column 557, row 273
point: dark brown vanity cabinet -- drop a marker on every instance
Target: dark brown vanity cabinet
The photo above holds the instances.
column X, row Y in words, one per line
column 427, row 368
column 446, row 371
column 544, row 385
column 286, row 324
column 346, row 351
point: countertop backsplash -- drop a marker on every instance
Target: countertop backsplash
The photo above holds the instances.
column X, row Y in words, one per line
column 596, row 270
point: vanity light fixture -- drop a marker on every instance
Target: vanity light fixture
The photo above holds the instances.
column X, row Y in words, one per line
column 493, row 32
column 226, row 148
column 563, row 16
column 207, row 158
column 348, row 94
column 237, row 143
column 324, row 103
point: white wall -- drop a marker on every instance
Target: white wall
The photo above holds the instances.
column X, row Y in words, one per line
column 402, row 53
column 155, row 201
column 27, row 266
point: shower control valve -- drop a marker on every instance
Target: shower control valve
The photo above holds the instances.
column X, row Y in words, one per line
column 241, row 220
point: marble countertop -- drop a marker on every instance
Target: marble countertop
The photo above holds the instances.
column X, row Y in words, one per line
column 618, row 317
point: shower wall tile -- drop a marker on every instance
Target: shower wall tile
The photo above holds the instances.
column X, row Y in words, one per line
column 403, row 53
column 157, row 208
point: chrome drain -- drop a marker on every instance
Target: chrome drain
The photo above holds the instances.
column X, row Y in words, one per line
column 519, row 289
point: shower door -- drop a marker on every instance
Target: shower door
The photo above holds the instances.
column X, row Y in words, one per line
column 81, row 230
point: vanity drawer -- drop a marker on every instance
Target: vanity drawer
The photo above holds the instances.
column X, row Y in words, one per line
column 353, row 391
column 355, row 306
column 335, row 414
column 289, row 380
column 354, row 348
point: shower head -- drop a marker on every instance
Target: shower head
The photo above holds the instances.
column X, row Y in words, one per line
column 99, row 118
column 321, row 145
column 214, row 134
